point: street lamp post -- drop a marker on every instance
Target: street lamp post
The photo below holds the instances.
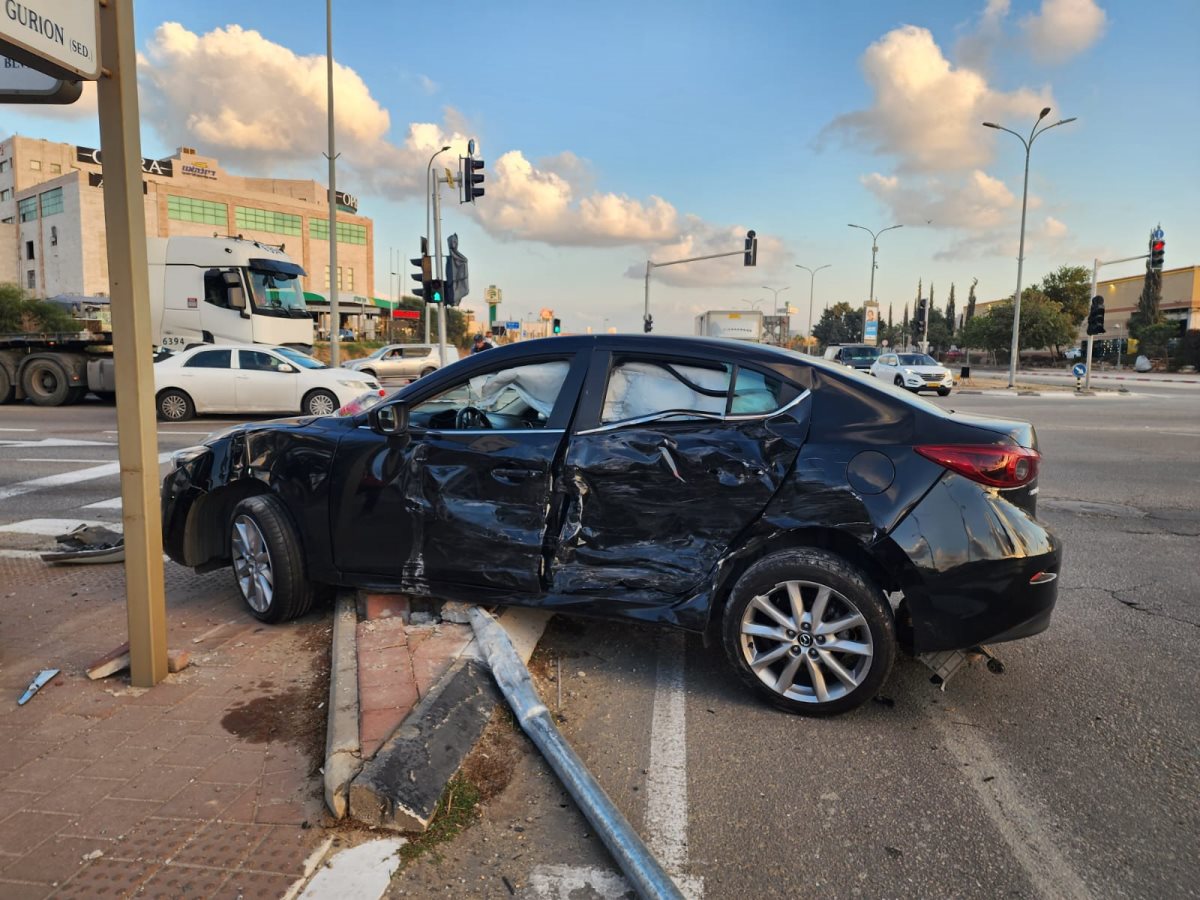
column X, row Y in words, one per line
column 874, row 250
column 776, row 292
column 428, row 196
column 812, row 273
column 1027, row 144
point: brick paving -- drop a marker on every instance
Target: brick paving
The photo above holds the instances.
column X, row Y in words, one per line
column 207, row 785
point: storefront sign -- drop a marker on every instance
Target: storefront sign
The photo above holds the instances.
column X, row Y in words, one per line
column 346, row 202
column 199, row 169
column 165, row 167
column 96, row 180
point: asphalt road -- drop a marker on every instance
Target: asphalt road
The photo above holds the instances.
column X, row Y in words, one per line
column 1073, row 774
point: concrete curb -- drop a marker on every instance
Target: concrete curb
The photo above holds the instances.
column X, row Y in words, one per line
column 400, row 786
column 342, row 758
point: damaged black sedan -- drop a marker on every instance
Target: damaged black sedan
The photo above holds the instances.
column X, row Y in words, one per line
column 808, row 518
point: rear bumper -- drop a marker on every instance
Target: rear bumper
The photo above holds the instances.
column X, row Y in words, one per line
column 982, row 570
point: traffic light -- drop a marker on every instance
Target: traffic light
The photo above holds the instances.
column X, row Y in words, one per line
column 922, row 311
column 1095, row 323
column 1157, row 248
column 457, row 283
column 751, row 257
column 648, row 323
column 470, row 175
column 424, row 273
column 556, row 326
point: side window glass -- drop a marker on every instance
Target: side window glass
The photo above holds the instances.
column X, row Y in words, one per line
column 513, row 398
column 214, row 288
column 260, row 362
column 673, row 390
column 209, row 359
column 755, row 394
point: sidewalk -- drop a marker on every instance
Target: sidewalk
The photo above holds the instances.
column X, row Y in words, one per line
column 207, row 785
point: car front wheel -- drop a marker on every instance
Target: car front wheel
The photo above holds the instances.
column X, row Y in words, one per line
column 268, row 560
column 809, row 632
column 944, row 392
column 175, row 406
column 319, row 403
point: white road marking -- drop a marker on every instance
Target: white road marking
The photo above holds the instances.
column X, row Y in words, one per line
column 1027, row 830
column 666, row 782
column 363, row 872
column 64, row 478
column 57, row 442
column 5, row 553
column 666, row 797
column 52, row 527
column 112, row 503
column 43, row 459
column 18, row 429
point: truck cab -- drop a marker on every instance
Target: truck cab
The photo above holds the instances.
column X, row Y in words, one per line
column 226, row 291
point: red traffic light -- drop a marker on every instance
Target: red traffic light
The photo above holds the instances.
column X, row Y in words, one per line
column 1158, row 245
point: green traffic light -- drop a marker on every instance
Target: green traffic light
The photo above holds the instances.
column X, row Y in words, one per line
column 437, row 296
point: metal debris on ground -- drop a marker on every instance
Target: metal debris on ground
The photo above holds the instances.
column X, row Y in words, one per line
column 88, row 544
column 42, row 679
column 948, row 662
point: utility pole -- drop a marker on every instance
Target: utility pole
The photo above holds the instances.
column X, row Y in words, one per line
column 437, row 261
column 335, row 313
column 812, row 277
column 749, row 253
column 874, row 250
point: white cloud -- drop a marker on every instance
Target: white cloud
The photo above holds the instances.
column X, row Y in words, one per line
column 1063, row 28
column 260, row 107
column 974, row 51
column 428, row 85
column 926, row 112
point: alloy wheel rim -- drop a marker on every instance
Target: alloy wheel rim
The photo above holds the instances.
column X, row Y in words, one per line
column 252, row 564
column 806, row 642
column 174, row 407
column 320, row 405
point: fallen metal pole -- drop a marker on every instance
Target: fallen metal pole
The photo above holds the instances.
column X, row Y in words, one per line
column 641, row 869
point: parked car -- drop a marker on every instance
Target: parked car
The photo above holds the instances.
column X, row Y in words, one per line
column 856, row 356
column 345, row 334
column 914, row 371
column 251, row 379
column 398, row 361
column 1073, row 353
column 778, row 503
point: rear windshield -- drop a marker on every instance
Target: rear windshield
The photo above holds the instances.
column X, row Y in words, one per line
column 861, row 354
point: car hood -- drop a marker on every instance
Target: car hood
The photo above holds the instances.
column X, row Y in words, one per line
column 926, row 370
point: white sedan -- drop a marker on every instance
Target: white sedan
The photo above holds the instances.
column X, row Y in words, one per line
column 251, row 379
column 913, row 371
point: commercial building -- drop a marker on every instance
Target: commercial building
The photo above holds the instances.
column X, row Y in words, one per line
column 53, row 241
column 1180, row 300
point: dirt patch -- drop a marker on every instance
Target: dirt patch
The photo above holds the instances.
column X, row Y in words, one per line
column 490, row 765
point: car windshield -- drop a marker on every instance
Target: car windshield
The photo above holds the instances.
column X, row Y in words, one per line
column 917, row 359
column 300, row 359
column 277, row 291
column 862, row 354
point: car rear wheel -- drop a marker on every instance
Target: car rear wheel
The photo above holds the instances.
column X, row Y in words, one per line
column 45, row 382
column 319, row 403
column 428, row 370
column 268, row 560
column 6, row 386
column 175, row 406
column 809, row 632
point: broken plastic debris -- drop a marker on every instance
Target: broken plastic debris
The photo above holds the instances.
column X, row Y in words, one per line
column 43, row 678
column 88, row 544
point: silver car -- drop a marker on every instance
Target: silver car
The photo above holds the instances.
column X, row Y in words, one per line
column 398, row 361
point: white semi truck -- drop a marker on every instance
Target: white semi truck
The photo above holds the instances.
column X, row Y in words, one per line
column 202, row 290
column 735, row 324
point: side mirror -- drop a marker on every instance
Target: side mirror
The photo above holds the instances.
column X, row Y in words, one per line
column 287, row 367
column 389, row 419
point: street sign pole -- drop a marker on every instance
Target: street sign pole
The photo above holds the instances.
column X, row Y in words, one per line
column 129, row 288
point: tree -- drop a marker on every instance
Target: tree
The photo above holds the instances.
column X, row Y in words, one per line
column 839, row 324
column 1148, row 312
column 21, row 313
column 971, row 302
column 904, row 325
column 1043, row 324
column 1071, row 288
column 950, row 311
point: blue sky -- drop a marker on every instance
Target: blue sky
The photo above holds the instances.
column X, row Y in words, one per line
column 618, row 132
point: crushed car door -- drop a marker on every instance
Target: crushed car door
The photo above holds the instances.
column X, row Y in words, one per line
column 462, row 496
column 679, row 459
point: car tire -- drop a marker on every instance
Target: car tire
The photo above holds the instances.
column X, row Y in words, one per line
column 428, row 370
column 45, row 382
column 898, row 381
column 174, row 406
column 943, row 392
column 268, row 560
column 7, row 391
column 319, row 403
column 793, row 668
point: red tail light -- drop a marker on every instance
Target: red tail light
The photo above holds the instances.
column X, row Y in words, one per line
column 1002, row 467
